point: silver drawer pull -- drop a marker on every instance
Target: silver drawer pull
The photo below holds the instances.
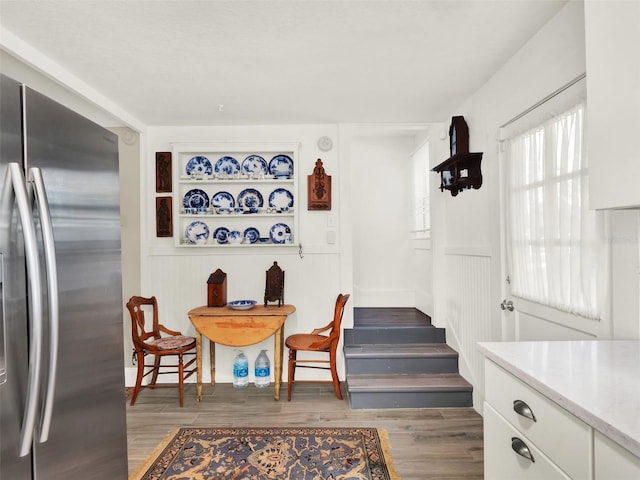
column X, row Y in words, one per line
column 523, row 409
column 521, row 449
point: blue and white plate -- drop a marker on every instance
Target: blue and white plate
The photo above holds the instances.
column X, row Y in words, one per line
column 228, row 165
column 223, row 200
column 281, row 198
column 281, row 166
column 221, row 235
column 251, row 235
column 278, row 233
column 196, row 198
column 250, row 198
column 199, row 165
column 242, row 304
column 254, row 164
column 197, row 232
column 235, row 236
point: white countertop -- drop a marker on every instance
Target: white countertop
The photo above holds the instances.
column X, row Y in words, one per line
column 597, row 381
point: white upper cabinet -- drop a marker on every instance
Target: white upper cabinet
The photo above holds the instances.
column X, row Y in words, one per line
column 612, row 31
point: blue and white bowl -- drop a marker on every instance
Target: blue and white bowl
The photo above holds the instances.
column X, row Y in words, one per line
column 242, row 304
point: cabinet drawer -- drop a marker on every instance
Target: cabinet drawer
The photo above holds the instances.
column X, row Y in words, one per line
column 564, row 438
column 501, row 462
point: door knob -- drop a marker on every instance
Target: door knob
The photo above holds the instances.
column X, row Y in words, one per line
column 507, row 305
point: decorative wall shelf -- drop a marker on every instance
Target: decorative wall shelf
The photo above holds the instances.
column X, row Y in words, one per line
column 236, row 195
column 462, row 169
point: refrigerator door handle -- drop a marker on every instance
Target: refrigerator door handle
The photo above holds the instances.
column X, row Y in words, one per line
column 14, row 172
column 35, row 176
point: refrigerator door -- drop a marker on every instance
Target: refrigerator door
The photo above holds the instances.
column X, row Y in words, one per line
column 14, row 322
column 79, row 164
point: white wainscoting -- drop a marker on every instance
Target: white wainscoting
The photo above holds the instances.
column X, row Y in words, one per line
column 312, row 284
column 467, row 311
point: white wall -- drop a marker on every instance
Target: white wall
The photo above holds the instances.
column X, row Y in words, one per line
column 177, row 277
column 129, row 163
column 463, row 264
column 383, row 259
column 370, row 216
column 466, row 229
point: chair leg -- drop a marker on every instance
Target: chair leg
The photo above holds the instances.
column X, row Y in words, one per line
column 334, row 375
column 291, row 372
column 140, row 374
column 181, row 378
column 156, row 369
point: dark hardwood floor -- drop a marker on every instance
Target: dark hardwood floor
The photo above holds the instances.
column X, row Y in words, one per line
column 442, row 444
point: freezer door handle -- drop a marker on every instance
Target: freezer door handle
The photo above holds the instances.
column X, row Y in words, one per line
column 15, row 176
column 42, row 203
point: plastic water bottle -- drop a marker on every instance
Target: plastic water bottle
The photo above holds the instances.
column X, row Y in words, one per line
column 240, row 371
column 262, row 370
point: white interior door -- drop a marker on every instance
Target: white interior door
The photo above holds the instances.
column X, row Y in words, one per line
column 522, row 319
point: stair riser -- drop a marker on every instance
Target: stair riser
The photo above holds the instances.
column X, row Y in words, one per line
column 376, row 400
column 394, row 335
column 368, row 365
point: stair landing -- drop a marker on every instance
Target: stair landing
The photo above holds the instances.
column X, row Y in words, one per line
column 395, row 358
column 389, row 316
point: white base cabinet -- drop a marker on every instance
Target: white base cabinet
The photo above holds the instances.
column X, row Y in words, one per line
column 528, row 436
column 612, row 461
column 502, row 462
column 530, row 421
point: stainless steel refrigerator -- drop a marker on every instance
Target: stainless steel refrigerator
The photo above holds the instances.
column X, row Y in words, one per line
column 62, row 399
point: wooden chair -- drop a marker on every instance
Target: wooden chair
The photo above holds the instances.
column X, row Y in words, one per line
column 314, row 342
column 147, row 340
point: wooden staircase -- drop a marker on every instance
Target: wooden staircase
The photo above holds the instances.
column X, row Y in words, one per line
column 395, row 358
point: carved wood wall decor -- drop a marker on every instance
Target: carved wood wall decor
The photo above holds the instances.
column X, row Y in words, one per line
column 319, row 189
column 164, row 217
column 163, row 172
column 217, row 289
column 274, row 285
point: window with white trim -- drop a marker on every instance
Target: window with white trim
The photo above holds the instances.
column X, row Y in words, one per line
column 420, row 202
column 555, row 243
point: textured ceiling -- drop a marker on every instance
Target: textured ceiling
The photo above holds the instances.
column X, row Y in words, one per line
column 280, row 62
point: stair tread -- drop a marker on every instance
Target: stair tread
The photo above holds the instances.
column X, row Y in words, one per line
column 395, row 326
column 416, row 382
column 376, row 316
column 399, row 350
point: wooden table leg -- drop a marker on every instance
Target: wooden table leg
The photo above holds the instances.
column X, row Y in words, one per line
column 277, row 360
column 212, row 361
column 199, row 366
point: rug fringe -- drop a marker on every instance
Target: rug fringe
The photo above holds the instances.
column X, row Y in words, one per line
column 386, row 451
column 144, row 466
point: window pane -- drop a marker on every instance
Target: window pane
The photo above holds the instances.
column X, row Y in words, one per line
column 421, row 207
column 554, row 246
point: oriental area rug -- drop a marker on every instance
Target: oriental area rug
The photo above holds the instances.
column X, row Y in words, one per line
column 270, row 454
